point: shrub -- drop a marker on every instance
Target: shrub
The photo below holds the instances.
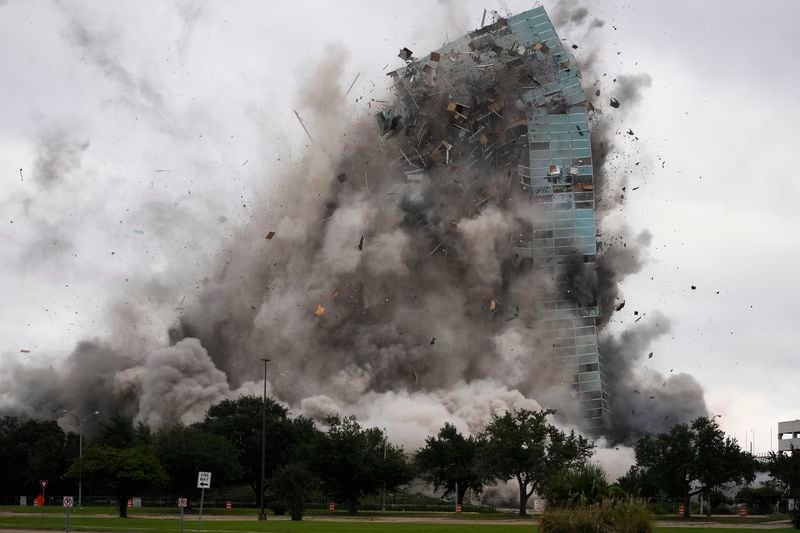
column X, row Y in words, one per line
column 796, row 518
column 278, row 507
column 580, row 485
column 605, row 518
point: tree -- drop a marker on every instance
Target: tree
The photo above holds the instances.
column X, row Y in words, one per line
column 760, row 500
column 635, row 482
column 577, row 486
column 123, row 471
column 239, row 421
column 449, row 461
column 785, row 469
column 350, row 461
column 185, row 451
column 522, row 445
column 293, row 483
column 693, row 459
column 31, row 450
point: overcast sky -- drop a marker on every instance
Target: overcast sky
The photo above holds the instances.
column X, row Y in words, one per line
column 113, row 111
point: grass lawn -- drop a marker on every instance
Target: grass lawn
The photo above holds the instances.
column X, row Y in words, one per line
column 136, row 525
column 271, row 526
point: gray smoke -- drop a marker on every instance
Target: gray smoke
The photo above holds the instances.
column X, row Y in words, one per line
column 376, row 289
column 568, row 13
column 58, row 155
column 646, row 401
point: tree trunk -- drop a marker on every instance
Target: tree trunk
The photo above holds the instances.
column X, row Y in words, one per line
column 122, row 505
column 353, row 506
column 687, row 505
column 462, row 490
column 298, row 504
column 523, row 497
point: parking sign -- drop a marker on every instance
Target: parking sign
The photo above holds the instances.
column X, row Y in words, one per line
column 204, row 480
column 182, row 502
column 68, row 501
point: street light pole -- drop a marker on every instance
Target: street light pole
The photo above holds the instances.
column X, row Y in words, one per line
column 383, row 505
column 263, row 515
column 80, row 451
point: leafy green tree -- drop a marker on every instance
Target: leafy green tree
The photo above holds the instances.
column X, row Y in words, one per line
column 760, row 500
column 524, row 446
column 293, row 483
column 185, row 451
column 350, row 462
column 577, row 486
column 449, row 461
column 122, row 471
column 120, row 432
column 239, row 421
column 31, row 450
column 693, row 459
column 785, row 469
column 637, row 483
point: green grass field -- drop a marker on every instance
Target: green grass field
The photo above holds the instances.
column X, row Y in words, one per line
column 364, row 524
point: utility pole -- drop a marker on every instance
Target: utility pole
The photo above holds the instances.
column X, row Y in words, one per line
column 263, row 515
column 383, row 505
column 80, row 451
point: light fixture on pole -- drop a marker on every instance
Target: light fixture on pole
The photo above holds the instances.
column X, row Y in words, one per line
column 80, row 450
column 262, row 515
column 385, row 438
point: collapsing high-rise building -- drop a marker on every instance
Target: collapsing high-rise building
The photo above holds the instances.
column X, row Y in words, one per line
column 513, row 100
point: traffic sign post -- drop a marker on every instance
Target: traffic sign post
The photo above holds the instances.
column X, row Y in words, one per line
column 203, row 483
column 43, row 484
column 182, row 502
column 68, row 503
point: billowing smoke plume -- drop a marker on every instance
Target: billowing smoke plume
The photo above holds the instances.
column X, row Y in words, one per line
column 379, row 282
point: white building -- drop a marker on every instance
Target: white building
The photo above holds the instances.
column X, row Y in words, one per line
column 788, row 435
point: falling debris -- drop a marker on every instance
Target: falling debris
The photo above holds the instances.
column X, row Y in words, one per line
column 630, row 132
column 492, row 304
column 361, row 243
column 614, row 103
column 620, row 306
column 138, row 232
column 335, row 295
column 342, row 177
column 24, row 350
column 320, row 310
column 650, row 355
column 694, row 287
column 20, row 175
column 351, row 85
column 245, row 162
column 270, row 235
column 433, row 341
column 405, row 54
column 303, row 125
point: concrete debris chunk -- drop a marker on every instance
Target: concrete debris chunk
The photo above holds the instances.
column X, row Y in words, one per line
column 335, row 295
column 342, row 177
column 320, row 310
column 619, row 306
column 405, row 54
column 270, row 235
column 614, row 103
column 24, row 350
column 436, row 56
